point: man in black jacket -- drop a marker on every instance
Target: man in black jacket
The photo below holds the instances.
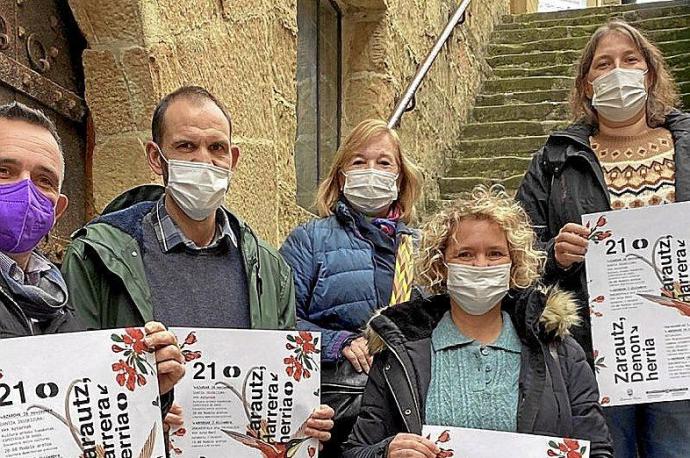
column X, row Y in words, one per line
column 33, row 295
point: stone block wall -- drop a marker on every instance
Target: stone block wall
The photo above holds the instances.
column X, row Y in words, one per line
column 384, row 47
column 245, row 52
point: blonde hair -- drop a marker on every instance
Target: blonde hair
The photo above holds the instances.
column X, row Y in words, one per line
column 484, row 203
column 662, row 91
column 411, row 178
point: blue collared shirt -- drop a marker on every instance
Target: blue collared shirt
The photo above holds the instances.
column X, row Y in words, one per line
column 473, row 385
column 170, row 236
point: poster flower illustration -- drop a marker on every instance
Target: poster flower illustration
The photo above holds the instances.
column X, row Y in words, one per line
column 258, row 435
column 179, row 432
column 66, row 420
column 595, row 234
column 569, row 448
column 188, row 354
column 671, row 295
column 442, row 439
column 593, row 304
column 301, row 363
column 598, row 361
column 133, row 369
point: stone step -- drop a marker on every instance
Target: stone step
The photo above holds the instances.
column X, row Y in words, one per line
column 547, row 33
column 516, row 71
column 678, row 60
column 681, row 75
column 454, row 187
column 522, row 97
column 677, row 63
column 533, row 83
column 556, row 111
column 570, row 56
column 503, row 146
column 594, row 16
column 495, row 167
column 664, row 37
column 580, row 12
column 537, row 59
column 512, row 128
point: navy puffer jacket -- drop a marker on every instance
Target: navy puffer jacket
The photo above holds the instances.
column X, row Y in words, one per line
column 342, row 275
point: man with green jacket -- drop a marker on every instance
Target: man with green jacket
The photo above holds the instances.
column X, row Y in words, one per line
column 175, row 254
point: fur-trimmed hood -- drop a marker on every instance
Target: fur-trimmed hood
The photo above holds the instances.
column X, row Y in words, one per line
column 538, row 314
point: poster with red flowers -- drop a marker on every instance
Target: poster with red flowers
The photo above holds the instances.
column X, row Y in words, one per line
column 247, row 393
column 479, row 443
column 79, row 395
column 638, row 277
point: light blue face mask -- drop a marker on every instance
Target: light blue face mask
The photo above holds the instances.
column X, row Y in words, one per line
column 476, row 290
column 370, row 191
column 198, row 188
column 620, row 94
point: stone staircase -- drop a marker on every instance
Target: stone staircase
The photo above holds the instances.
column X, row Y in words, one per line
column 532, row 58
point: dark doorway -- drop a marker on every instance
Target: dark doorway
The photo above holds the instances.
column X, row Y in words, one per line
column 319, row 78
column 40, row 66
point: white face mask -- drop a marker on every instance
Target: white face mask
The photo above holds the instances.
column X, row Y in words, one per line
column 370, row 191
column 198, row 188
column 477, row 290
column 620, row 94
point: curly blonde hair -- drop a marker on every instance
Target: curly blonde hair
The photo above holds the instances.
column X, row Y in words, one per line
column 366, row 131
column 662, row 91
column 483, row 203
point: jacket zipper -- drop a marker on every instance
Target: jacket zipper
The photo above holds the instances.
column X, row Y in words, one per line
column 409, row 383
column 19, row 309
column 599, row 176
column 397, row 403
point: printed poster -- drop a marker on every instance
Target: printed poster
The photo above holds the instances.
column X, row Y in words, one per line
column 247, row 393
column 90, row 395
column 639, row 299
column 479, row 443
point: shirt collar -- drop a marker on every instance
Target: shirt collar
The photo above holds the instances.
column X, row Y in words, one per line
column 170, row 236
column 447, row 335
column 37, row 265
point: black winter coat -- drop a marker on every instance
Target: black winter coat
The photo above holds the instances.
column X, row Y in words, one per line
column 15, row 323
column 565, row 181
column 558, row 396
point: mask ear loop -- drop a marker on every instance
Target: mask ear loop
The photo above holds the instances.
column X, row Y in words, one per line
column 160, row 152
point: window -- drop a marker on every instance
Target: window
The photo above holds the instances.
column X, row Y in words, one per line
column 318, row 94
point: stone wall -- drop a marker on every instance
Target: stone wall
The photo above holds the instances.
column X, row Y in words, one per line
column 245, row 52
column 385, row 48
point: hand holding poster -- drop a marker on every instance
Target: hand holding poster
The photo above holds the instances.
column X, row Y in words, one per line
column 90, row 395
column 479, row 443
column 247, row 393
column 639, row 291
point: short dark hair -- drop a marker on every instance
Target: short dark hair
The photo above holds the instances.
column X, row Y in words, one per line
column 16, row 111
column 187, row 92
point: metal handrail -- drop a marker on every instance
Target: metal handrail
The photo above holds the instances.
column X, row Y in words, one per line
column 407, row 102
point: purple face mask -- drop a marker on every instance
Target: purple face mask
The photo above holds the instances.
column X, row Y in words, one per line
column 26, row 216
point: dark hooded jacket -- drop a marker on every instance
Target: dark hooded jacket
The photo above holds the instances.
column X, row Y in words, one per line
column 558, row 395
column 15, row 323
column 565, row 181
